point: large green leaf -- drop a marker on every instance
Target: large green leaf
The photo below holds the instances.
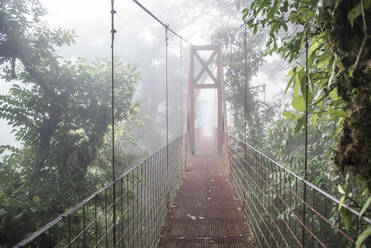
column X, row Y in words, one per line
column 354, row 13
column 357, row 11
column 365, row 206
column 337, row 113
column 341, row 202
column 298, row 103
column 347, row 218
column 341, row 190
column 363, row 236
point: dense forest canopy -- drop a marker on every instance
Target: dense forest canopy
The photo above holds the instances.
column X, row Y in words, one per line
column 60, row 108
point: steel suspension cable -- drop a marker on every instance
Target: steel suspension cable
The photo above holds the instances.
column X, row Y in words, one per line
column 237, row 29
column 167, row 30
column 166, row 26
column 113, row 31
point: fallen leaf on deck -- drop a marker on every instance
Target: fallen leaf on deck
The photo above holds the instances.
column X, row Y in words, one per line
column 191, row 217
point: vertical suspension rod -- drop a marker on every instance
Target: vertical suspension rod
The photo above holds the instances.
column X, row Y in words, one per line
column 181, row 101
column 167, row 107
column 181, row 87
column 113, row 31
column 245, row 77
column 306, row 140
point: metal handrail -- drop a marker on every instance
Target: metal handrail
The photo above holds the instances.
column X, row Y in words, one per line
column 281, row 208
column 328, row 195
column 181, row 139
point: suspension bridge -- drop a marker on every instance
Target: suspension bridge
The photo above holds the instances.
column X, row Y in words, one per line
column 205, row 188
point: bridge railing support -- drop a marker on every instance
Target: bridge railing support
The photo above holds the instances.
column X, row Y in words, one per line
column 141, row 196
column 272, row 197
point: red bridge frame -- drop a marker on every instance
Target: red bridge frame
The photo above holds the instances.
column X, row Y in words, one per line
column 194, row 84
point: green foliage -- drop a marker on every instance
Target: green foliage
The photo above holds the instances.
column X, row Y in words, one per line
column 363, row 236
column 338, row 72
column 60, row 112
column 234, row 66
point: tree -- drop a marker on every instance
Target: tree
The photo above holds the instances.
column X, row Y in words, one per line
column 339, row 71
column 60, row 112
column 233, row 43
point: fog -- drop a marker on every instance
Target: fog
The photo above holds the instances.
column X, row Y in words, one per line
column 64, row 139
column 140, row 40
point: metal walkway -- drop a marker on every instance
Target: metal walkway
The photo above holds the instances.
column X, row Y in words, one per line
column 205, row 212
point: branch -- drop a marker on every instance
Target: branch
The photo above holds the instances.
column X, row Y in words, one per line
column 364, row 37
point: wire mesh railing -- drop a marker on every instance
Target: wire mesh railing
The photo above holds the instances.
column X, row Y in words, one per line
column 274, row 200
column 143, row 195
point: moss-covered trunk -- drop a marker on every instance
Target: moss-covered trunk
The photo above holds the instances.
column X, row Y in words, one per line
column 353, row 83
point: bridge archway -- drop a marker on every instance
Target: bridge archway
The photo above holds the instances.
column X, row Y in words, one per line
column 205, row 72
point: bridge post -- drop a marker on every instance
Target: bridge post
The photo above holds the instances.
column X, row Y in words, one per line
column 192, row 102
column 194, row 84
column 220, row 99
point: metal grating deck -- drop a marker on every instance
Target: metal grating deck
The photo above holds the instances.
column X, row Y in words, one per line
column 205, row 212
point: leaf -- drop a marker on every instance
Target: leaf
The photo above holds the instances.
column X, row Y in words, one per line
column 332, row 71
column 3, row 148
column 255, row 30
column 192, row 217
column 292, row 78
column 341, row 202
column 341, row 190
column 314, row 119
column 354, row 13
column 312, row 50
column 363, row 236
column 284, row 25
column 334, row 94
column 338, row 113
column 303, row 36
column 300, row 81
column 297, row 84
column 347, row 217
column 337, row 2
column 36, row 199
column 300, row 122
column 287, row 114
column 298, row 103
column 357, row 11
column 324, row 59
column 365, row 206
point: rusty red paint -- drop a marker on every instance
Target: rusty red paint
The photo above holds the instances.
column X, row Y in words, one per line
column 194, row 84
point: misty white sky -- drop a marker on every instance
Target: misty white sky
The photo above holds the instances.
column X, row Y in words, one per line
column 137, row 34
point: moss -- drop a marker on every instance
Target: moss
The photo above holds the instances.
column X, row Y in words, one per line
column 354, row 148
